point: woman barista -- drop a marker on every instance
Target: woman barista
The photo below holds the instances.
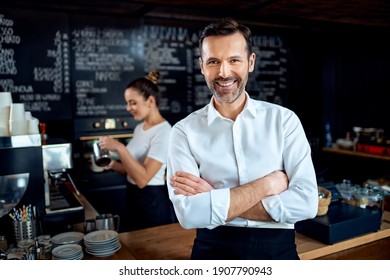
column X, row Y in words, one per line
column 143, row 160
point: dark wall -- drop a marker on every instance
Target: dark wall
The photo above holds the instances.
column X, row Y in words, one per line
column 356, row 74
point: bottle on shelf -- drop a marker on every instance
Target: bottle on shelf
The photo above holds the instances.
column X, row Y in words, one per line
column 42, row 130
column 356, row 130
column 328, row 135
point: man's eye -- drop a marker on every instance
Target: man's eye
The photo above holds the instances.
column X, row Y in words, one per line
column 211, row 62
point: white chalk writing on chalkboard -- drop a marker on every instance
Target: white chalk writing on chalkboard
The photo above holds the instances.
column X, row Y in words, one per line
column 39, row 84
column 102, row 57
column 268, row 80
column 7, row 37
column 170, row 50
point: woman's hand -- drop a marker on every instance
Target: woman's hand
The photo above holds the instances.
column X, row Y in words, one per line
column 110, row 165
column 109, row 143
column 188, row 184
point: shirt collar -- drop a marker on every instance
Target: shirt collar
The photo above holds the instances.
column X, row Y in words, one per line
column 212, row 113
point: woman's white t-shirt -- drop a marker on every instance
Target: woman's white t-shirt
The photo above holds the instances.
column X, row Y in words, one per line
column 152, row 143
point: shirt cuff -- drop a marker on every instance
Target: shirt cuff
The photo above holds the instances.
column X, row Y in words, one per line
column 220, row 201
column 273, row 206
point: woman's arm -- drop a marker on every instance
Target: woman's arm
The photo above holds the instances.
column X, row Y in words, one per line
column 141, row 173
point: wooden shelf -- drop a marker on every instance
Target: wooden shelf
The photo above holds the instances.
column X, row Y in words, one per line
column 354, row 153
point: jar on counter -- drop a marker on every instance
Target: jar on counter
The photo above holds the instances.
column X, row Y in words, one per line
column 369, row 198
column 45, row 245
column 348, row 191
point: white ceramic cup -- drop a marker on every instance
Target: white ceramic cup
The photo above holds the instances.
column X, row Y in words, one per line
column 32, row 126
column 17, row 112
column 28, row 115
column 3, row 131
column 17, row 127
column 4, row 119
column 4, row 114
column 5, row 99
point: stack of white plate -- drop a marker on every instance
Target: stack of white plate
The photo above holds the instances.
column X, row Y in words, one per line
column 71, row 237
column 67, row 252
column 102, row 243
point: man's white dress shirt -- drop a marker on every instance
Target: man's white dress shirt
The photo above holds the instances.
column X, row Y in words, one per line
column 265, row 137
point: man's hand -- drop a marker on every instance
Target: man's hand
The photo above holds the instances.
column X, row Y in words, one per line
column 188, row 184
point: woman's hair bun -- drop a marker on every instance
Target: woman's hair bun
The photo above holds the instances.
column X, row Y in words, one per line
column 153, row 76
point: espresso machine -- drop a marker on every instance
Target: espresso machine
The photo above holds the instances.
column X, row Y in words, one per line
column 62, row 207
column 35, row 174
column 21, row 178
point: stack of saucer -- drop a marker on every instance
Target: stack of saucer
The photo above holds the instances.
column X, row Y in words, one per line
column 102, row 243
column 67, row 252
column 65, row 238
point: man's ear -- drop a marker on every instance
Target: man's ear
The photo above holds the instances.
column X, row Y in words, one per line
column 201, row 65
column 252, row 60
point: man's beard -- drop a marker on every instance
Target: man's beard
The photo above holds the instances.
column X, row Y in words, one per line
column 228, row 97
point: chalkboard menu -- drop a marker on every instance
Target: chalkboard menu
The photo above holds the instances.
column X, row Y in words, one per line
column 269, row 79
column 77, row 66
column 35, row 61
column 166, row 50
column 107, row 54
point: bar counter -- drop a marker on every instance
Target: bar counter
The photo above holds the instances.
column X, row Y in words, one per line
column 172, row 242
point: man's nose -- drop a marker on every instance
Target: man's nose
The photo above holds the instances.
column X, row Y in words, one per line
column 224, row 70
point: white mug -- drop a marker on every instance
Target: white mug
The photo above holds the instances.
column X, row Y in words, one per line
column 3, row 131
column 4, row 120
column 17, row 127
column 32, row 126
column 17, row 112
column 5, row 99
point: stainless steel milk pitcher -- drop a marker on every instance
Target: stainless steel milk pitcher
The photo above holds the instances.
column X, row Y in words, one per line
column 107, row 222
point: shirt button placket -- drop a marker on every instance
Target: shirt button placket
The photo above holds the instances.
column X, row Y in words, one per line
column 239, row 153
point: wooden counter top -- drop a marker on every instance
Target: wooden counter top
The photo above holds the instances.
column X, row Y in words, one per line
column 168, row 242
column 171, row 242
